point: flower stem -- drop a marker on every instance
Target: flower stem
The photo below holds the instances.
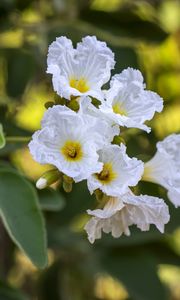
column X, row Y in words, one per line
column 18, row 139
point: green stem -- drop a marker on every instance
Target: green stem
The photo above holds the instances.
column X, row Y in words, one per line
column 18, row 139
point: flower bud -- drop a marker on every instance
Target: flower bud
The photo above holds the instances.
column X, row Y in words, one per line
column 48, row 178
column 73, row 104
column 67, row 183
column 118, row 140
column 49, row 104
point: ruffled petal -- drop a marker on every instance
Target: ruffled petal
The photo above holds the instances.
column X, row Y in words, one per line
column 127, row 103
column 145, row 210
column 121, row 171
column 61, row 126
column 80, row 71
column 120, row 213
column 164, row 167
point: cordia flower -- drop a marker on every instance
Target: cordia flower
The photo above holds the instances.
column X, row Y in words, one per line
column 119, row 171
column 121, row 212
column 128, row 103
column 86, row 108
column 80, row 71
column 164, row 167
column 70, row 142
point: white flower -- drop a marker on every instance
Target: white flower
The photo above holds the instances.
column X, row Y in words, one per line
column 164, row 167
column 128, row 104
column 121, row 212
column 70, row 142
column 86, row 108
column 80, row 71
column 119, row 171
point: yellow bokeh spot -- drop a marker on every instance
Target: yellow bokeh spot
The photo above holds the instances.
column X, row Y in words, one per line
column 11, row 39
column 107, row 174
column 109, row 288
column 32, row 109
column 168, row 121
column 79, row 84
column 23, row 160
column 117, row 109
column 106, row 5
column 72, row 151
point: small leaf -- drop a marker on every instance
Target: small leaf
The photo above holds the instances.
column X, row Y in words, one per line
column 51, row 200
column 22, row 216
column 2, row 138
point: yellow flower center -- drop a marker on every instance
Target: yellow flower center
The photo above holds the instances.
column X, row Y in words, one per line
column 79, row 84
column 72, row 151
column 117, row 109
column 107, row 174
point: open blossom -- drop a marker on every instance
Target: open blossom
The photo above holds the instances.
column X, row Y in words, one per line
column 86, row 108
column 80, row 71
column 128, row 103
column 164, row 167
column 70, row 142
column 121, row 212
column 119, row 171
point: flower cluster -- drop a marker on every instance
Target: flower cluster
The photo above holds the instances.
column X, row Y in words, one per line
column 79, row 133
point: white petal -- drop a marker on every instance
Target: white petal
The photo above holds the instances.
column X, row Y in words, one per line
column 93, row 229
column 112, row 206
column 174, row 196
column 170, row 146
column 145, row 210
column 158, row 169
column 92, row 61
column 126, row 171
column 164, row 167
column 60, row 125
column 129, row 77
column 135, row 104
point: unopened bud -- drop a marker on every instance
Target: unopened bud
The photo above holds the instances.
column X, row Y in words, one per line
column 117, row 140
column 67, row 183
column 49, row 104
column 59, row 100
column 99, row 195
column 73, row 104
column 41, row 183
column 67, row 187
column 95, row 102
column 48, row 178
column 67, row 179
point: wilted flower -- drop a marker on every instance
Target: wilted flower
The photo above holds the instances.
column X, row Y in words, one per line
column 121, row 212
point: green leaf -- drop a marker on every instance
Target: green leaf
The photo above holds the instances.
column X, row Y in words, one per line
column 125, row 23
column 9, row 293
column 51, row 199
column 22, row 216
column 21, row 68
column 2, row 138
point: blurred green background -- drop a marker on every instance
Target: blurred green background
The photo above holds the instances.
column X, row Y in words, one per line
column 144, row 35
